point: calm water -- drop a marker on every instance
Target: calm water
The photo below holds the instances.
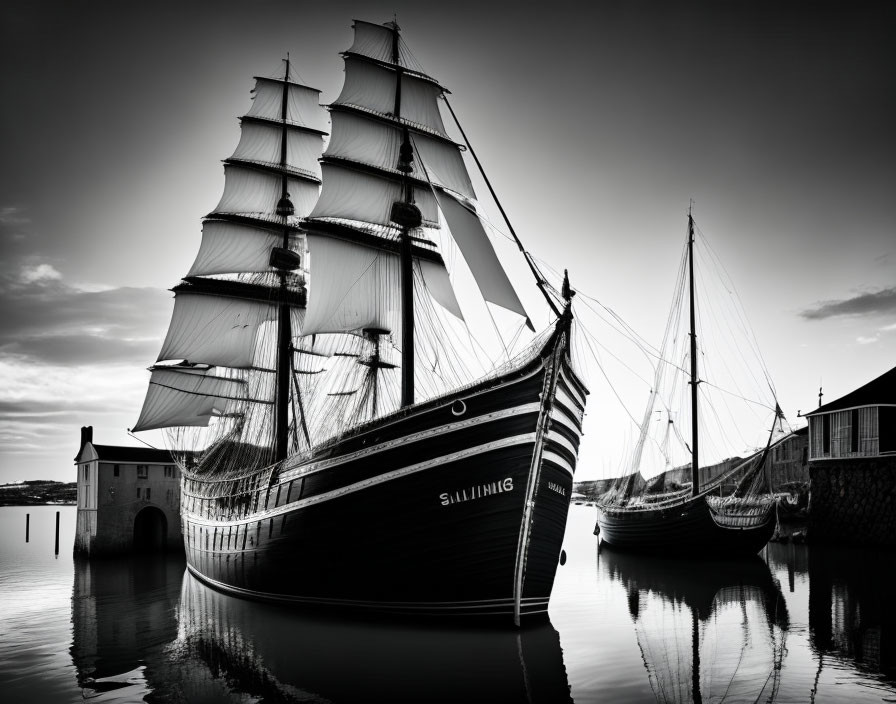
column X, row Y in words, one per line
column 794, row 625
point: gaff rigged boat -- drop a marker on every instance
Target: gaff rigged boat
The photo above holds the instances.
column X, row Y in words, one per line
column 315, row 478
column 725, row 509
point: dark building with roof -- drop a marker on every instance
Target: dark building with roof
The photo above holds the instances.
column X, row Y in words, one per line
column 128, row 499
column 860, row 424
column 852, row 466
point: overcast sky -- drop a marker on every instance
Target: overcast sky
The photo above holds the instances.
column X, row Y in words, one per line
column 597, row 123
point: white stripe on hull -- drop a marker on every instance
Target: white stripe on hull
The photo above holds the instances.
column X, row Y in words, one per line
column 304, row 470
column 560, row 418
column 570, row 403
column 554, row 436
column 524, row 439
column 559, row 460
column 574, row 392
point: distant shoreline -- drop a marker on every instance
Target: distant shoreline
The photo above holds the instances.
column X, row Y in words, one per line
column 39, row 492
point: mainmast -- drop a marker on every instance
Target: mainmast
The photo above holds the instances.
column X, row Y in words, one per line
column 695, row 463
column 407, row 216
column 284, row 260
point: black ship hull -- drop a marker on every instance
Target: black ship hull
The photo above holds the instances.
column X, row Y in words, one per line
column 454, row 507
column 686, row 528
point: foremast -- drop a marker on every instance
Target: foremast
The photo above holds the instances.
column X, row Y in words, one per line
column 237, row 313
column 407, row 216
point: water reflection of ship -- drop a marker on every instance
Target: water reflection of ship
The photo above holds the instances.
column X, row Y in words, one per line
column 706, row 632
column 790, row 557
column 123, row 615
column 265, row 651
column 851, row 610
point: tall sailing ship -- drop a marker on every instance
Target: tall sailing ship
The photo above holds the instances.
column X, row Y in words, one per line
column 724, row 509
column 334, row 452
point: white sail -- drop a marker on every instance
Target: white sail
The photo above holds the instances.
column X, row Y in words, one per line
column 252, row 191
column 261, row 142
column 231, row 247
column 303, row 106
column 355, row 195
column 371, row 87
column 468, row 232
column 219, row 330
column 356, row 287
column 373, row 40
column 326, row 345
column 187, row 397
column 435, row 277
column 353, row 287
column 377, row 143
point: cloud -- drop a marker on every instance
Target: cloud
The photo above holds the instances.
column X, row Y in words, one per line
column 881, row 302
column 77, row 349
column 38, row 274
column 49, row 321
column 70, row 355
column 866, row 340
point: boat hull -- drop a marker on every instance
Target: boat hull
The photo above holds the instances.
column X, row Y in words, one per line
column 449, row 509
column 687, row 528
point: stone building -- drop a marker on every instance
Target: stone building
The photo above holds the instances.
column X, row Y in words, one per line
column 128, row 499
column 852, row 466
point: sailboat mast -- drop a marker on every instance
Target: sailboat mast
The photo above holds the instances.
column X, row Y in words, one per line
column 695, row 462
column 284, row 335
column 407, row 216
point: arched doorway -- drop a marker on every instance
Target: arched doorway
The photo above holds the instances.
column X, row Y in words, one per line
column 150, row 530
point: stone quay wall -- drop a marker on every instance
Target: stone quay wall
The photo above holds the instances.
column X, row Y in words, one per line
column 853, row 501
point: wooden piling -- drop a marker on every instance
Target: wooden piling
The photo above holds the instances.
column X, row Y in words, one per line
column 27, row 527
column 57, row 532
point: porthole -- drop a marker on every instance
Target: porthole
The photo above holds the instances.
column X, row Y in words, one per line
column 458, row 408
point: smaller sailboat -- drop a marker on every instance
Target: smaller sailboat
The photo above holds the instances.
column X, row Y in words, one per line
column 722, row 509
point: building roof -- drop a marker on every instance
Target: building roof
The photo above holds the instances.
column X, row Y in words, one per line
column 878, row 392
column 138, row 455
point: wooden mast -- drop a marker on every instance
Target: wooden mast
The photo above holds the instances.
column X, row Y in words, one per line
column 407, row 216
column 695, row 461
column 283, row 260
